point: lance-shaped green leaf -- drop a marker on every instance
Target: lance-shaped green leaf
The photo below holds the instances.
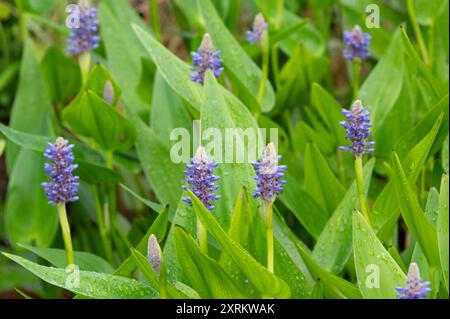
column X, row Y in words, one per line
column 219, row 117
column 204, row 274
column 333, row 286
column 269, row 285
column 386, row 207
column 235, row 60
column 412, row 213
column 87, row 283
column 85, row 261
column 319, row 179
column 91, row 116
column 378, row 273
column 442, row 228
column 334, row 246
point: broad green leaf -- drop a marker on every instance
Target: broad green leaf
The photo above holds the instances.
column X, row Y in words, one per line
column 437, row 87
column 32, row 110
column 235, row 60
column 91, row 116
column 386, row 207
column 85, row 261
column 330, row 111
column 415, row 135
column 319, row 179
column 334, row 246
column 269, row 285
column 386, row 77
column 234, row 172
column 204, row 274
column 303, row 206
column 426, row 11
column 158, row 228
column 87, row 283
column 163, row 175
column 62, row 74
column 412, row 213
column 143, row 264
column 184, row 217
column 152, row 205
column 378, row 273
column 168, row 112
column 288, row 262
column 101, row 83
column 333, row 286
column 442, row 229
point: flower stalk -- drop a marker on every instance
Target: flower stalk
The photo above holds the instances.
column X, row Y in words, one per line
column 65, row 228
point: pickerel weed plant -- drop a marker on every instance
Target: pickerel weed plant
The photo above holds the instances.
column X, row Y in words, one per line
column 224, row 149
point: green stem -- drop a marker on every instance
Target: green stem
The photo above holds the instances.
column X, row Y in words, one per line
column 360, row 185
column 275, row 66
column 265, row 65
column 162, row 280
column 85, row 63
column 155, row 18
column 202, row 237
column 420, row 41
column 279, row 16
column 106, row 241
column 268, row 214
column 65, row 228
column 356, row 66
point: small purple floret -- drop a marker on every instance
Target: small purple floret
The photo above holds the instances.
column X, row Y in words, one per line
column 357, row 44
column 63, row 186
column 415, row 287
column 357, row 129
column 201, row 180
column 269, row 182
column 259, row 26
column 205, row 59
column 84, row 37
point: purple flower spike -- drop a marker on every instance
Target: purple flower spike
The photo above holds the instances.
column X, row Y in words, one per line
column 269, row 175
column 357, row 43
column 357, row 129
column 205, row 59
column 415, row 288
column 199, row 176
column 63, row 186
column 259, row 26
column 84, row 36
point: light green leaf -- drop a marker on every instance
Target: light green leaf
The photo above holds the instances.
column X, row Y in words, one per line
column 334, row 246
column 412, row 213
column 204, row 274
column 319, row 179
column 269, row 285
column 378, row 273
column 89, row 284
column 442, row 228
column 85, row 261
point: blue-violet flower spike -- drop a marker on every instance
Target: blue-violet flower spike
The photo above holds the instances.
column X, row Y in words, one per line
column 357, row 129
column 200, row 179
column 63, row 186
column 357, row 43
column 205, row 59
column 154, row 253
column 415, row 287
column 84, row 35
column 259, row 26
column 269, row 182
